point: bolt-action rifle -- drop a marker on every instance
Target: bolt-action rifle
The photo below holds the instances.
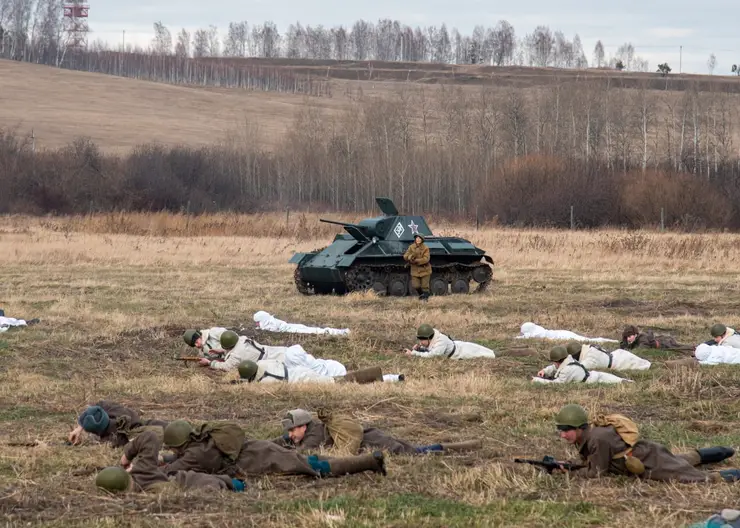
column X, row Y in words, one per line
column 549, row 464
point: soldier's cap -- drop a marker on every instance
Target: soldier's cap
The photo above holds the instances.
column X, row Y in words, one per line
column 296, row 418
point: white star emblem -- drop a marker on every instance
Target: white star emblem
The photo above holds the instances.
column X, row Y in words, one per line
column 414, row 228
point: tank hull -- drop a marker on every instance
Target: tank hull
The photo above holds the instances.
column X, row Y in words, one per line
column 348, row 265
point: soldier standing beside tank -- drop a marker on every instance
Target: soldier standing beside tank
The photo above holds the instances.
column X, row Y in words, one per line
column 417, row 255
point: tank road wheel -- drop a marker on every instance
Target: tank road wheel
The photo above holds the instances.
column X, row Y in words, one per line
column 380, row 288
column 359, row 279
column 482, row 275
column 398, row 286
column 438, row 285
column 460, row 285
column 300, row 284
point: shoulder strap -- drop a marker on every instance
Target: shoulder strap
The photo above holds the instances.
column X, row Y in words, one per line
column 283, row 377
column 261, row 349
column 585, row 370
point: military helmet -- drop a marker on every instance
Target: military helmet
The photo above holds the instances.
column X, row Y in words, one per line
column 425, row 331
column 296, row 418
column 420, row 236
column 229, row 339
column 177, row 433
column 190, row 336
column 113, row 479
column 247, row 370
column 571, row 415
column 558, row 353
column 574, row 348
column 718, row 330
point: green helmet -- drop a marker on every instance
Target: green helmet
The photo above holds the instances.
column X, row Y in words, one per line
column 190, row 336
column 113, row 479
column 718, row 330
column 247, row 370
column 558, row 353
column 571, row 415
column 573, row 348
column 177, row 433
column 229, row 339
column 425, row 331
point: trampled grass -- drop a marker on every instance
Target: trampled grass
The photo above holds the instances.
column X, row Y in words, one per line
column 113, row 303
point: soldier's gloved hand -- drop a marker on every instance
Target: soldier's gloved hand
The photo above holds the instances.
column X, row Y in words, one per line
column 408, row 352
column 541, row 373
column 125, row 462
column 204, row 362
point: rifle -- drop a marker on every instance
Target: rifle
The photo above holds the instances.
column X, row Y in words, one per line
column 81, row 472
column 210, row 357
column 36, row 443
column 549, row 464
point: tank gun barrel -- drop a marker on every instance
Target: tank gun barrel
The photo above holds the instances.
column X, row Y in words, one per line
column 358, row 232
column 338, row 223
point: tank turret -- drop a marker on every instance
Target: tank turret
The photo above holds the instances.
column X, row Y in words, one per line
column 370, row 256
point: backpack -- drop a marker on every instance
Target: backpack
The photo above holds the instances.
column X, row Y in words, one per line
column 628, row 432
column 346, row 432
column 228, row 436
column 626, row 428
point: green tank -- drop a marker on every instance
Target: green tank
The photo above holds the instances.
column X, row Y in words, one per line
column 370, row 256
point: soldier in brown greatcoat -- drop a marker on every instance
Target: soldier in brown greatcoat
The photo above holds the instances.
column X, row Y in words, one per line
column 616, row 448
column 222, row 448
column 142, row 472
column 633, row 338
column 112, row 423
column 417, row 255
column 304, row 433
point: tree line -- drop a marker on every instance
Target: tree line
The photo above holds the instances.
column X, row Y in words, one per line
column 33, row 30
column 618, row 157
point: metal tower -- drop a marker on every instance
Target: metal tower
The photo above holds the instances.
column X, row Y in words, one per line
column 75, row 24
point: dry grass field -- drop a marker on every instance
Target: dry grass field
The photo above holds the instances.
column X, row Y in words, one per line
column 119, row 113
column 113, row 306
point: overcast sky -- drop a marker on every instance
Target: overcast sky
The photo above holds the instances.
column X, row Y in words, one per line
column 657, row 28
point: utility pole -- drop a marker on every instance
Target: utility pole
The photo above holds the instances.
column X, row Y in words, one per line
column 124, row 40
column 680, row 59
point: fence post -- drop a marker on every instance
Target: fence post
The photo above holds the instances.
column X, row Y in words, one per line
column 572, row 218
column 477, row 221
column 187, row 219
column 662, row 219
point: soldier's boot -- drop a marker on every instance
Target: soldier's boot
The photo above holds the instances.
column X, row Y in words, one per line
column 518, row 352
column 730, row 475
column 429, row 448
column 687, row 362
column 424, row 296
column 368, row 375
column 357, row 464
column 712, row 455
column 468, row 445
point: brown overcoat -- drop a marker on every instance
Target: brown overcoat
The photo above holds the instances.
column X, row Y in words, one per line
column 600, row 445
column 317, row 436
column 418, row 257
column 123, row 423
column 257, row 457
column 147, row 475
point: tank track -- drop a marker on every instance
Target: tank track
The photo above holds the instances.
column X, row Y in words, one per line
column 395, row 279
